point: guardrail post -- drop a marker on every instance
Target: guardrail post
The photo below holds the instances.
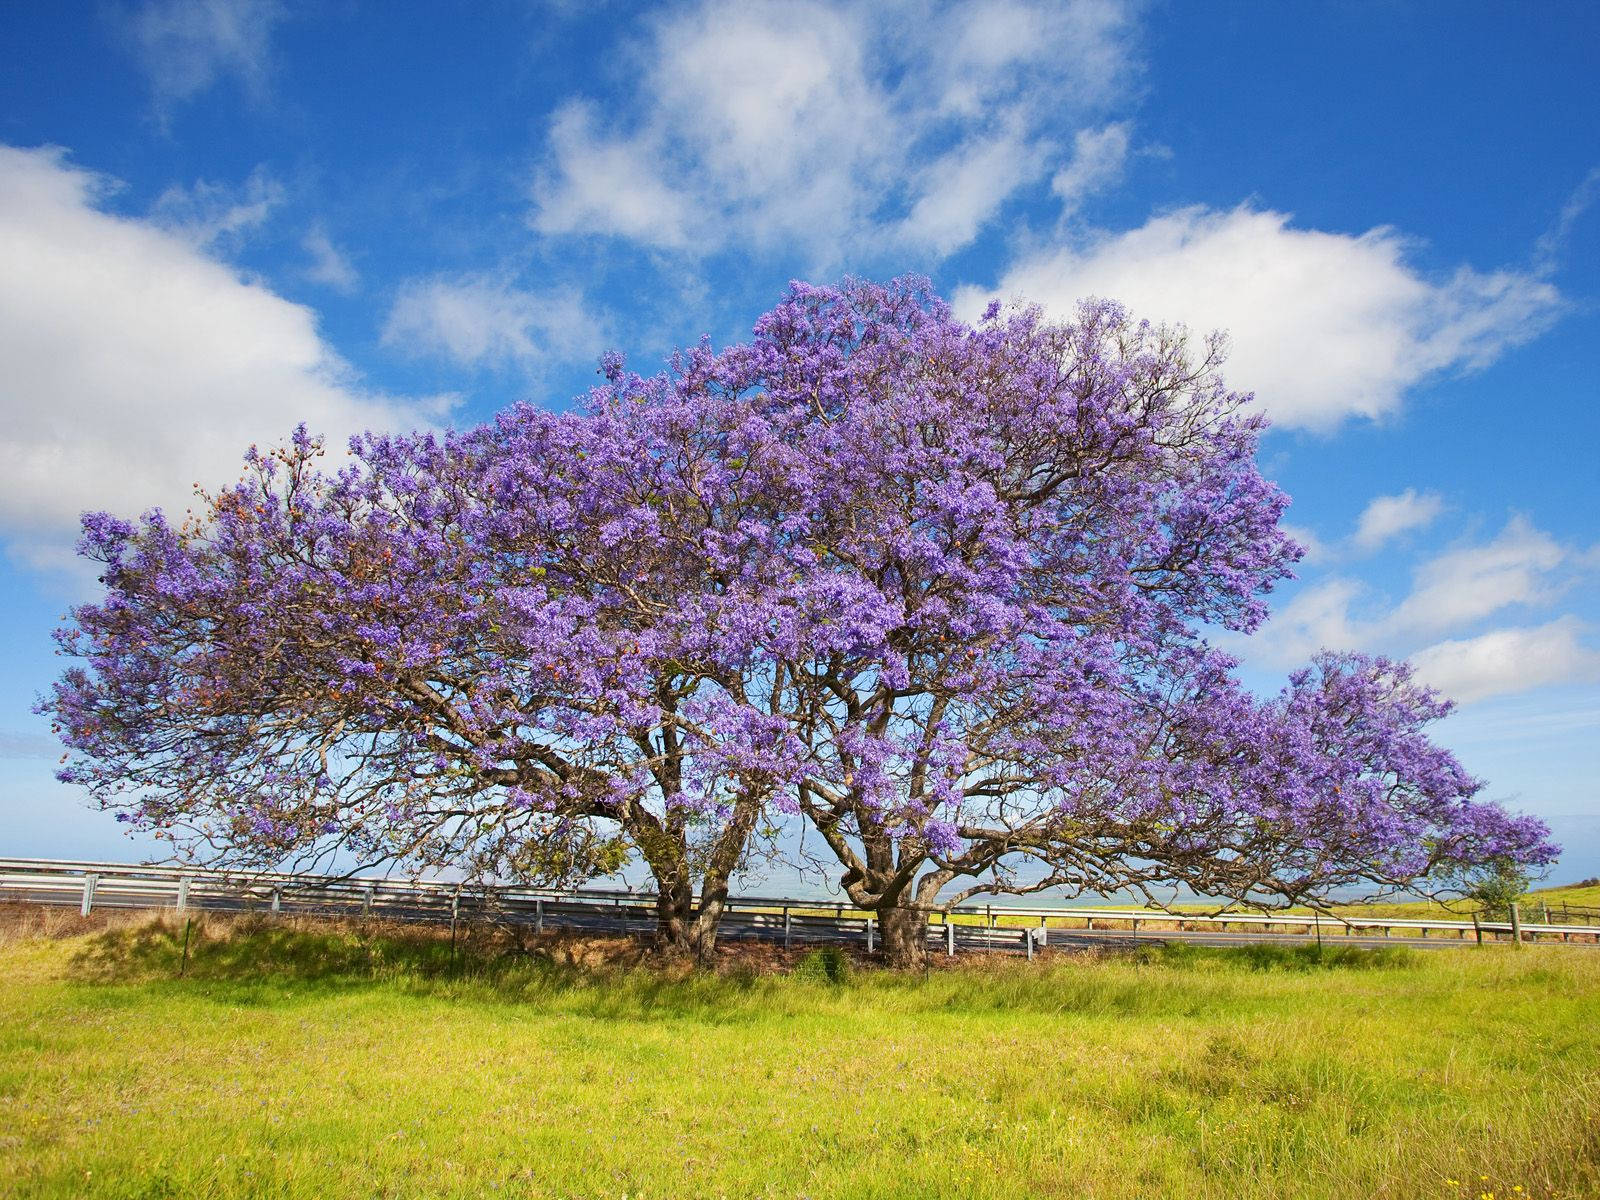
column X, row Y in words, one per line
column 1027, row 939
column 949, row 937
column 785, row 926
column 89, row 880
column 277, row 901
column 538, row 914
column 1516, row 925
column 1477, row 928
column 869, row 934
column 366, row 900
column 183, row 894
column 1044, row 931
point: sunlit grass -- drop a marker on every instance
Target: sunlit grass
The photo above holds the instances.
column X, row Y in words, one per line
column 295, row 1059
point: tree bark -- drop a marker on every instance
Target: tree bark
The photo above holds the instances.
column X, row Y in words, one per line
column 905, row 936
column 675, row 915
column 683, row 928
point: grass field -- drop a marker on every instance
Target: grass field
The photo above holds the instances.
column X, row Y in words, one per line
column 303, row 1060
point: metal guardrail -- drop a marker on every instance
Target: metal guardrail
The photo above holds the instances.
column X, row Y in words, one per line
column 119, row 885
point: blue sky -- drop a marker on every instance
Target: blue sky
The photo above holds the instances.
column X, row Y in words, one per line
column 222, row 217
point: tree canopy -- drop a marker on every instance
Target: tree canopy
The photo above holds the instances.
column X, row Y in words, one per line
column 944, row 592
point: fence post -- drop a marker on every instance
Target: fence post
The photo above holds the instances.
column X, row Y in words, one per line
column 785, row 926
column 277, row 901
column 366, row 900
column 538, row 914
column 988, row 933
column 870, row 940
column 949, row 937
column 89, row 880
column 1027, row 939
column 1516, row 925
column 1477, row 928
column 1546, row 908
column 183, row 894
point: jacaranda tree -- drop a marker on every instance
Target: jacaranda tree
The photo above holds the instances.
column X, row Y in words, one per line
column 940, row 591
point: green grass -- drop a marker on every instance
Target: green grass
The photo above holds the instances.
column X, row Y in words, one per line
column 295, row 1059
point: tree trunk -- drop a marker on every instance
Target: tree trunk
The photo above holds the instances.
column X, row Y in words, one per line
column 683, row 928
column 905, row 936
column 675, row 916
column 703, row 933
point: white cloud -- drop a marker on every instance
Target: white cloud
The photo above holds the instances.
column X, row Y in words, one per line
column 483, row 320
column 961, row 192
column 1098, row 159
column 1324, row 326
column 1317, row 617
column 137, row 364
column 212, row 215
column 1522, row 567
column 1461, row 586
column 827, row 126
column 605, row 185
column 1547, row 254
column 1509, row 660
column 329, row 266
column 1389, row 516
column 186, row 45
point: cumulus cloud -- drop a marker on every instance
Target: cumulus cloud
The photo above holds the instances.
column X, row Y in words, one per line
column 1458, row 587
column 1317, row 617
column 484, row 320
column 1452, row 593
column 831, row 125
column 1324, row 326
column 1389, row 516
column 1507, row 661
column 137, row 364
column 185, row 46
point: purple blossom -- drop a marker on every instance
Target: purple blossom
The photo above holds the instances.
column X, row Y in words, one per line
column 940, row 590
